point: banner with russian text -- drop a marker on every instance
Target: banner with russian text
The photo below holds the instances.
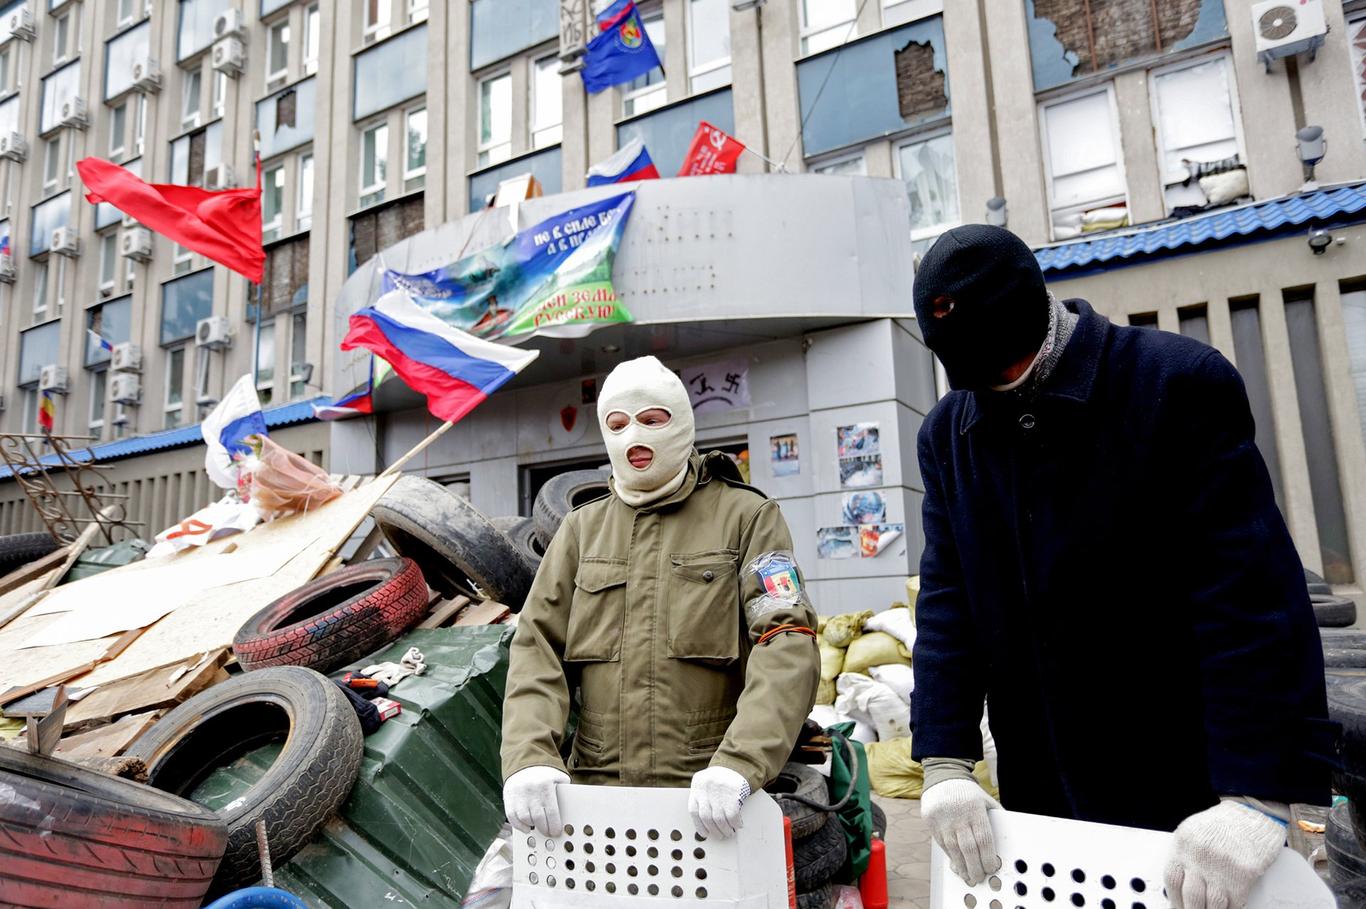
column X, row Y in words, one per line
column 554, row 278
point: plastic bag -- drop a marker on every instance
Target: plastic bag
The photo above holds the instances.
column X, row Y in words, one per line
column 283, row 483
column 897, row 677
column 873, row 704
column 847, row 897
column 875, row 648
column 841, row 629
column 895, row 621
column 491, row 887
column 228, row 515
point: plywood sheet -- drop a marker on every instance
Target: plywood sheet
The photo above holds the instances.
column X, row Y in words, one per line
column 200, row 620
column 105, row 741
column 164, row 686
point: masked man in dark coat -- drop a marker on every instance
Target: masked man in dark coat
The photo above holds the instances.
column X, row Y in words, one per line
column 1106, row 566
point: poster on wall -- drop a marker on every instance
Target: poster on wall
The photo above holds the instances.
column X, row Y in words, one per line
column 837, row 543
column 717, row 386
column 859, row 453
column 864, row 508
column 783, row 455
column 875, row 538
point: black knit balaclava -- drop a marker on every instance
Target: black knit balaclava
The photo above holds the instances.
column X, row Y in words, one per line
column 981, row 303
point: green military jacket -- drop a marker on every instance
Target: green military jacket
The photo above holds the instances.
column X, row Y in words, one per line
column 651, row 615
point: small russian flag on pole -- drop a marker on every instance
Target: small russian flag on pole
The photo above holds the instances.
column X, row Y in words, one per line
column 630, row 162
column 100, row 340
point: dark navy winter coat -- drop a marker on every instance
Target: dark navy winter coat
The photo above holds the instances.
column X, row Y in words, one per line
column 1107, row 565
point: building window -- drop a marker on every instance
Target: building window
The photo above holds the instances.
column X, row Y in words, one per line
column 139, row 123
column 6, row 83
column 305, row 219
column 182, row 260
column 277, row 51
column 191, row 90
column 927, row 168
column 61, row 283
column 265, row 362
column 897, row 12
column 647, row 92
column 415, row 149
column 127, row 10
column 1086, row 190
column 30, row 418
column 184, row 301
column 109, row 260
column 417, row 10
column 175, row 387
column 66, row 36
column 708, row 44
column 547, row 102
column 1356, row 40
column 52, row 163
column 220, row 93
column 853, row 166
column 298, row 338
column 40, row 290
column 1193, row 112
column 375, row 19
column 312, row 34
column 827, row 23
column 98, row 380
column 374, row 150
column 118, row 130
column 193, row 155
column 495, row 120
column 1354, row 323
column 273, row 202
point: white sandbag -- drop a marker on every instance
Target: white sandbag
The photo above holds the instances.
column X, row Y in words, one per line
column 862, row 733
column 491, row 887
column 897, row 677
column 989, row 750
column 873, row 704
column 897, row 622
column 826, row 715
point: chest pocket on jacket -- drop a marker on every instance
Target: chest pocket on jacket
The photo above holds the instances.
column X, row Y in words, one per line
column 704, row 600
column 597, row 615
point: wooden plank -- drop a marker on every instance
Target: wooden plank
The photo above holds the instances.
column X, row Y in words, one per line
column 485, row 613
column 108, row 740
column 444, row 612
column 164, row 686
column 367, row 545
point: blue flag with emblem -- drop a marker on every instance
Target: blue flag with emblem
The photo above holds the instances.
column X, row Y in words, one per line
column 621, row 51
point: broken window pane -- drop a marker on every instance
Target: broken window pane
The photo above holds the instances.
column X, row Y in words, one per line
column 1081, row 150
column 1195, row 125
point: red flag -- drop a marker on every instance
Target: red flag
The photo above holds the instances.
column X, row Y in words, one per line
column 711, row 152
column 225, row 226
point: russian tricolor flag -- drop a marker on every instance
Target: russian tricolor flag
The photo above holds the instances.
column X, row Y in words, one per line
column 631, row 162
column 456, row 371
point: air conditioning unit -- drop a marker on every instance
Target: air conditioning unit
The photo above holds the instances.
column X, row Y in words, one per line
column 127, row 357
column 1285, row 28
column 13, row 146
column 136, row 243
column 74, row 113
column 125, row 388
column 229, row 24
column 147, row 76
column 65, row 242
column 6, row 268
column 229, row 57
column 215, row 333
column 219, row 177
column 53, row 378
column 21, row 25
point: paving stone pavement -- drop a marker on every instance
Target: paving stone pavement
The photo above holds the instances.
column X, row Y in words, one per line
column 908, row 854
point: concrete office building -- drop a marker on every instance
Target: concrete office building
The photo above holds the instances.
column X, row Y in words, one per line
column 384, row 120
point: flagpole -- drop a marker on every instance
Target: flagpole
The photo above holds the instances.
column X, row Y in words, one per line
column 260, row 285
column 779, row 168
column 416, row 449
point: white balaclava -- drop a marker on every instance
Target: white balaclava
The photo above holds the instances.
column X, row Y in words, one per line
column 635, row 386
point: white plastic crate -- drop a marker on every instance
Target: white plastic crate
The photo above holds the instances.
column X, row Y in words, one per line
column 1047, row 863
column 629, row 848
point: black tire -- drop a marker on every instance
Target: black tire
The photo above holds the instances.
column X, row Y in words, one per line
column 879, row 821
column 71, row 837
column 458, row 550
column 336, row 619
column 1316, row 584
column 1333, row 612
column 817, row 858
column 823, row 897
column 1342, row 639
column 563, row 493
column 306, row 784
column 1344, row 659
column 18, row 549
column 799, row 779
column 1344, row 852
column 522, row 532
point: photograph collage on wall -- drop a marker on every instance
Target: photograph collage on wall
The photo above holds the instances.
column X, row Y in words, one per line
column 859, row 453
column 784, row 456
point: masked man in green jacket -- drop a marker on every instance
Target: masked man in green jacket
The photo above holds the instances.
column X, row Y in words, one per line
column 675, row 608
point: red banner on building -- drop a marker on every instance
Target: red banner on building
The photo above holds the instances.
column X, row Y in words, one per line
column 711, row 152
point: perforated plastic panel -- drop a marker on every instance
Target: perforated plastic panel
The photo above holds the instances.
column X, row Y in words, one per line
column 1047, row 863
column 638, row 848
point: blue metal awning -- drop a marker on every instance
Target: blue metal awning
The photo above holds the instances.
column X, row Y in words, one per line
column 284, row 415
column 1226, row 227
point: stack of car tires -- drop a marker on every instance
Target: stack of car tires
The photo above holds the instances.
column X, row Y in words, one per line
column 1346, row 833
column 1330, row 611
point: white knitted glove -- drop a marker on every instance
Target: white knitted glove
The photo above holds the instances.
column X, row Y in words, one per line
column 956, row 811
column 1219, row 854
column 717, row 795
column 529, row 800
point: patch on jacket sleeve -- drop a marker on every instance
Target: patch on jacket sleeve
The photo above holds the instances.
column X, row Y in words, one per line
column 778, row 575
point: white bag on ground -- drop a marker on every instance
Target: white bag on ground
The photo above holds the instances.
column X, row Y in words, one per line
column 897, row 677
column 826, row 715
column 873, row 704
column 897, row 622
column 491, row 887
column 862, row 733
column 847, row 897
